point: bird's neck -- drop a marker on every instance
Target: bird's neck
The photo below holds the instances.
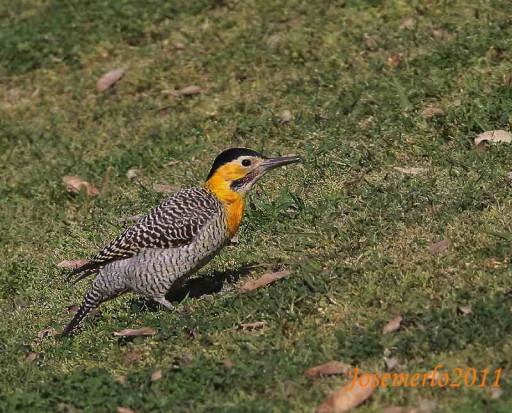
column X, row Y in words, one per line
column 233, row 202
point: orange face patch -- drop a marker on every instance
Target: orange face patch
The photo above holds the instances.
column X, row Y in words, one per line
column 234, row 202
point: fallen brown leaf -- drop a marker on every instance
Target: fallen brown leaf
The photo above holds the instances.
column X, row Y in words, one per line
column 120, row 379
column 191, row 90
column 106, row 180
column 157, row 375
column 328, row 369
column 440, row 34
column 178, row 45
column 72, row 309
column 493, row 136
column 265, row 279
column 130, row 218
column 408, row 23
column 30, row 357
column 133, row 172
column 465, row 309
column 431, row 112
column 401, row 409
column 109, row 79
column 394, row 59
column 228, row 363
column 71, row 265
column 253, row 326
column 137, row 332
column 342, row 399
column 163, row 188
column 495, row 392
column 124, row 410
column 393, row 325
column 440, row 246
column 410, row 171
column 391, row 363
column 372, row 41
column 47, row 332
column 74, row 183
column 285, row 116
column 274, row 40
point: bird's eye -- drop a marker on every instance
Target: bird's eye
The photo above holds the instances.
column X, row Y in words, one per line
column 246, row 162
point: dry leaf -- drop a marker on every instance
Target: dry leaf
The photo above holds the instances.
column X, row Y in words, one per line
column 189, row 91
column 372, row 41
column 74, row 183
column 426, row 405
column 391, row 362
column 440, row 246
column 431, row 112
column 137, row 332
column 265, row 279
column 465, row 309
column 410, row 171
column 109, row 79
column 106, row 180
column 440, row 34
column 493, row 136
column 120, row 379
column 393, row 325
column 228, row 363
column 163, row 188
column 342, row 399
column 394, row 59
column 124, row 410
column 401, row 409
column 408, row 23
column 71, row 265
column 495, row 392
column 157, row 375
column 130, row 218
column 30, row 357
column 328, row 369
column 47, row 332
column 285, row 116
column 253, row 326
column 72, row 309
column 133, row 172
column 178, row 45
column 274, row 40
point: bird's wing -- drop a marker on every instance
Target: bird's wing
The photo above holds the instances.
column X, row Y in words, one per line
column 172, row 224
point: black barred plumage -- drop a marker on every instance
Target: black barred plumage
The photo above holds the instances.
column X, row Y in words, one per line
column 172, row 224
column 176, row 238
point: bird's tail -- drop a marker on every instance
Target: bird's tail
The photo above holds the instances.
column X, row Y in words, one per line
column 92, row 300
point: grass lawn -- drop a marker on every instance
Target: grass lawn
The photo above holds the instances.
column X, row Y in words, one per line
column 372, row 86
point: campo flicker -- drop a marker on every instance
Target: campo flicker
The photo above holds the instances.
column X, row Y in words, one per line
column 178, row 237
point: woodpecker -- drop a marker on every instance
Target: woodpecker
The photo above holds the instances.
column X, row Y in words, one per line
column 176, row 238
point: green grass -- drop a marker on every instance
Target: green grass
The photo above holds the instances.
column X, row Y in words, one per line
column 354, row 230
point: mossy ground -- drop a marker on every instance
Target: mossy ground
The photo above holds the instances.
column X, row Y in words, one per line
column 356, row 76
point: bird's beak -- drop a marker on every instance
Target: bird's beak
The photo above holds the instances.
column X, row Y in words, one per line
column 272, row 163
column 263, row 167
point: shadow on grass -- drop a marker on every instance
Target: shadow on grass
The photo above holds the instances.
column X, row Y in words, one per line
column 195, row 287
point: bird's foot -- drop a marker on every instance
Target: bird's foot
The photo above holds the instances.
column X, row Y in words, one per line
column 165, row 303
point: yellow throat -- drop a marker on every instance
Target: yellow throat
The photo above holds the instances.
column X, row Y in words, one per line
column 234, row 202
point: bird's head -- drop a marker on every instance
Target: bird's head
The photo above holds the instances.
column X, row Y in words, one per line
column 236, row 170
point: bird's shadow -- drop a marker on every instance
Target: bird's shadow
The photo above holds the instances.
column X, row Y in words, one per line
column 195, row 287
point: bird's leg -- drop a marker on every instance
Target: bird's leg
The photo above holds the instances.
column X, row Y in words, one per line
column 162, row 300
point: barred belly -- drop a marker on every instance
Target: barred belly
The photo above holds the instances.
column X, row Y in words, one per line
column 153, row 271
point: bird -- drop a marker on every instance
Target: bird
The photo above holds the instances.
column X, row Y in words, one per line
column 178, row 237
